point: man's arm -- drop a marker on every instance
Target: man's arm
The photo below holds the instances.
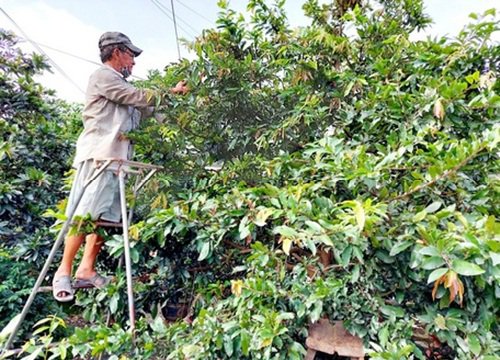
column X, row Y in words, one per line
column 114, row 88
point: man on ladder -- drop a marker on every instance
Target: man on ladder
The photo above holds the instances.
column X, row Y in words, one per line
column 113, row 107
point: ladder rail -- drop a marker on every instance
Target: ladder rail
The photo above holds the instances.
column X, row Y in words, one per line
column 50, row 258
column 100, row 165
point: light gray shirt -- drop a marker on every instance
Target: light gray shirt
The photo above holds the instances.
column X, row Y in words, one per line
column 113, row 107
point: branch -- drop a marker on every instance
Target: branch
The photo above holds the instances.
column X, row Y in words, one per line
column 440, row 177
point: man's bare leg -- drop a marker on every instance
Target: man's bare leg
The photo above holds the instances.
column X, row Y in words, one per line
column 71, row 247
column 93, row 246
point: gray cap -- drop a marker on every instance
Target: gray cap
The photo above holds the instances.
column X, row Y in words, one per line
column 117, row 38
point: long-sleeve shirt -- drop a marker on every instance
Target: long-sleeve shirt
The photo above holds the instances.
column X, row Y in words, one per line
column 112, row 108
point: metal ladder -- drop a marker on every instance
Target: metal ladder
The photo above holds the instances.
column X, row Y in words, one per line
column 143, row 173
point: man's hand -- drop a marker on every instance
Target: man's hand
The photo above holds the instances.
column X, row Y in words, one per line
column 180, row 88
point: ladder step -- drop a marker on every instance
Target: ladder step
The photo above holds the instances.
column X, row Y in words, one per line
column 108, row 224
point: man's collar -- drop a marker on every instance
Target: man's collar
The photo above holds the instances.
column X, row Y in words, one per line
column 113, row 69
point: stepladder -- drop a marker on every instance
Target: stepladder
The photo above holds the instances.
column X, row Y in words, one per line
column 125, row 171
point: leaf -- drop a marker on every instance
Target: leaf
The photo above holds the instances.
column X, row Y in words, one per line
column 383, row 335
column 243, row 228
column 286, row 231
column 228, row 346
column 432, row 262
column 355, row 274
column 325, row 239
column 236, row 287
column 399, row 247
column 346, row 255
column 474, row 344
column 463, row 345
column 429, row 250
column 266, row 342
column 245, row 342
column 359, row 211
column 316, row 312
column 439, row 109
column 311, row 246
column 435, row 206
column 262, row 216
column 314, row 226
column 491, row 225
column 285, row 316
column 134, row 255
column 205, row 250
column 466, row 268
column 287, row 244
column 419, row 216
column 113, row 304
column 390, row 310
column 134, row 232
column 455, row 286
column 63, row 351
column 436, row 274
column 440, row 322
column 34, row 354
column 495, row 258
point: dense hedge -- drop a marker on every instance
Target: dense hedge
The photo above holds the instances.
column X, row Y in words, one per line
column 36, row 136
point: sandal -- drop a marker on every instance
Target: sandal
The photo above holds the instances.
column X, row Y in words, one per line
column 98, row 281
column 61, row 285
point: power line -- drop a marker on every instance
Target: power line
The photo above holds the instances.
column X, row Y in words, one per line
column 57, row 67
column 62, row 51
column 72, row 55
column 194, row 11
column 168, row 13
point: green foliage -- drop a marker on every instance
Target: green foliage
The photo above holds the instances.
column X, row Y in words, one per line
column 389, row 175
column 35, row 148
column 36, row 133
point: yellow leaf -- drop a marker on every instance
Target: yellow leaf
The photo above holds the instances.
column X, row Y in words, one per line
column 440, row 322
column 159, row 202
column 134, row 232
column 287, row 244
column 439, row 109
column 236, row 287
column 262, row 215
column 266, row 343
column 150, row 96
column 359, row 212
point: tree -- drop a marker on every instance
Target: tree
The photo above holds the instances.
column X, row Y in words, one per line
column 36, row 135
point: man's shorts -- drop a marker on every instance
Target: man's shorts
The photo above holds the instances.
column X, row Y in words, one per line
column 101, row 198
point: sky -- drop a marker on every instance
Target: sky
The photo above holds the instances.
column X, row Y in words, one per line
column 62, row 27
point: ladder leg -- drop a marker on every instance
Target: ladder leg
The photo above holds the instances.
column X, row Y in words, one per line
column 39, row 281
column 45, row 269
column 128, row 265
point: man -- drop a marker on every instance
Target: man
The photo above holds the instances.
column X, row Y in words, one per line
column 112, row 108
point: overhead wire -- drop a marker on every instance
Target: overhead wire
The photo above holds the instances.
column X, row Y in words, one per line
column 36, row 46
column 167, row 12
column 61, row 51
column 70, row 54
column 194, row 11
column 195, row 31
